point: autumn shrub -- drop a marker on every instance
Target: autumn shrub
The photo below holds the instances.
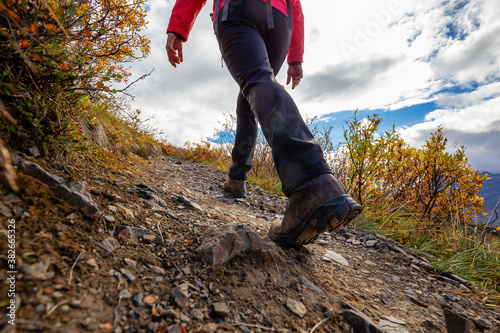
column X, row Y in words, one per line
column 56, row 55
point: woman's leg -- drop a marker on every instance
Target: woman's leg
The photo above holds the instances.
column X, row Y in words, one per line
column 296, row 154
column 277, row 43
column 244, row 142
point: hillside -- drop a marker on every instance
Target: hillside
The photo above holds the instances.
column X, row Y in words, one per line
column 491, row 194
column 135, row 265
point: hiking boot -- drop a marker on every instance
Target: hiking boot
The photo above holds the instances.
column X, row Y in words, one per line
column 316, row 206
column 235, row 188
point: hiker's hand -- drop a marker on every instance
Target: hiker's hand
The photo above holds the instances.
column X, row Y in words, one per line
column 174, row 49
column 294, row 74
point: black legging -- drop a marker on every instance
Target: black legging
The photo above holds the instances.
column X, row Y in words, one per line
column 254, row 54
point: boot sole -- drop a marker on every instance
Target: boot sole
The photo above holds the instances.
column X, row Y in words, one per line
column 330, row 215
column 235, row 193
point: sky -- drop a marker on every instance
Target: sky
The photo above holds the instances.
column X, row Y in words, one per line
column 418, row 64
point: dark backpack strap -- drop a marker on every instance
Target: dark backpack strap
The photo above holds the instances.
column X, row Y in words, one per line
column 270, row 20
column 216, row 19
column 225, row 10
column 289, row 14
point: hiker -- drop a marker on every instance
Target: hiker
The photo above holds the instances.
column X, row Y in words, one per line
column 255, row 37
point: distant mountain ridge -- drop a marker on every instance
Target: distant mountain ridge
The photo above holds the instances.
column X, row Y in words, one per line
column 491, row 194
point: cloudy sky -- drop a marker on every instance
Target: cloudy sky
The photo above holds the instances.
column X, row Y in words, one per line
column 418, row 64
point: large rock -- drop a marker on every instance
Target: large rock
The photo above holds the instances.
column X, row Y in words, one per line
column 455, row 323
column 225, row 242
column 72, row 192
column 360, row 322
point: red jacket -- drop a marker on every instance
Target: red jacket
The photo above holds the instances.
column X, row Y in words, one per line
column 185, row 12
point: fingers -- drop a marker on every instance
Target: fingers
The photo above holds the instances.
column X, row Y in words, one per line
column 294, row 75
column 174, row 50
column 181, row 58
column 294, row 79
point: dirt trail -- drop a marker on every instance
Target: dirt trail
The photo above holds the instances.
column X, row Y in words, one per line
column 80, row 274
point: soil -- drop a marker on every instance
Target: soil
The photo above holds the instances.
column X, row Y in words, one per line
column 74, row 273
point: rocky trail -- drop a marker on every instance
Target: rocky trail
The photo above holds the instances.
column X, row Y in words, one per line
column 155, row 246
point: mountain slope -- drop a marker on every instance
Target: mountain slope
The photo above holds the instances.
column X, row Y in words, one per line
column 491, row 194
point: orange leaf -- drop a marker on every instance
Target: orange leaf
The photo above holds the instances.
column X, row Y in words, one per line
column 150, row 299
column 107, row 326
column 13, row 14
column 50, row 26
column 34, row 28
column 24, row 43
column 64, row 67
column 106, row 88
column 37, row 57
column 155, row 313
column 87, row 32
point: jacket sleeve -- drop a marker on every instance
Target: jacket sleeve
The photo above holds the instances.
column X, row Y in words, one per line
column 183, row 16
column 296, row 50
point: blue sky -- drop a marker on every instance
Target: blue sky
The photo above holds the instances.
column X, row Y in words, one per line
column 418, row 64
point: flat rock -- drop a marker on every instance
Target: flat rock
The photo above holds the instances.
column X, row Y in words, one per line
column 455, row 323
column 128, row 274
column 296, row 307
column 333, row 256
column 157, row 270
column 310, row 285
column 38, row 271
column 128, row 213
column 394, row 320
column 221, row 309
column 4, row 210
column 125, row 294
column 110, row 244
column 11, row 198
column 181, row 295
column 139, row 233
column 148, row 195
column 359, row 321
column 223, row 243
column 72, row 192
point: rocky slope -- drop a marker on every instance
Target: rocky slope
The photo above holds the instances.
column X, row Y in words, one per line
column 140, row 263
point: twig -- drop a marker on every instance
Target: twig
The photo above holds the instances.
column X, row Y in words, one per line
column 72, row 267
column 318, row 324
column 134, row 82
column 159, row 230
column 272, row 329
column 116, row 311
column 55, row 307
column 277, row 267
